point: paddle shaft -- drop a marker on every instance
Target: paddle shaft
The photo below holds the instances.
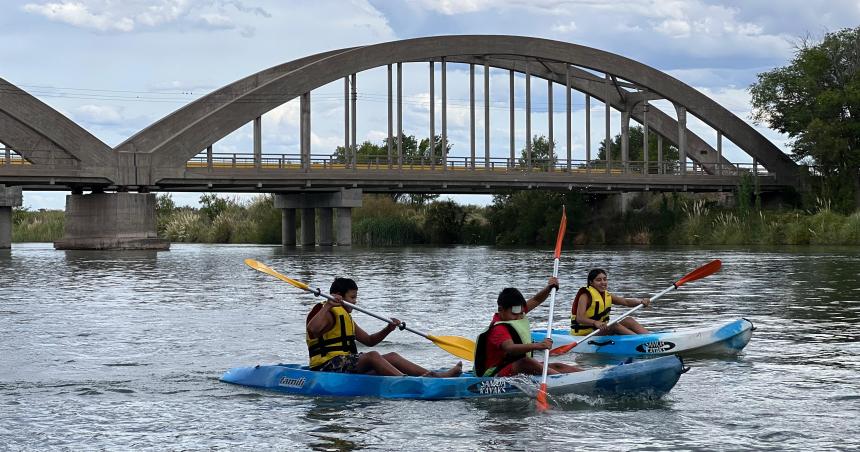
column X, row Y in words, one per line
column 402, row 325
column 549, row 323
column 629, row 312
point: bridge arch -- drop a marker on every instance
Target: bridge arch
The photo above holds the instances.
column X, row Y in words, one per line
column 45, row 137
column 169, row 143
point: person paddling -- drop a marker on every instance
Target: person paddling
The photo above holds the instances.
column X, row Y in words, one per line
column 331, row 334
column 592, row 304
column 506, row 347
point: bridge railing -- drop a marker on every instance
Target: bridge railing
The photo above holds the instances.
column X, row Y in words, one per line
column 221, row 161
column 52, row 158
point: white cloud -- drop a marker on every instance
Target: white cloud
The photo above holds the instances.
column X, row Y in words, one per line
column 451, row 7
column 99, row 114
column 674, row 28
column 565, row 28
column 79, row 15
column 134, row 15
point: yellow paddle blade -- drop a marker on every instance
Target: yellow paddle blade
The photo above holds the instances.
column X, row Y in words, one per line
column 460, row 347
column 261, row 267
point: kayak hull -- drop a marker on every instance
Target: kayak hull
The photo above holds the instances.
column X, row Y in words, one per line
column 726, row 339
column 650, row 378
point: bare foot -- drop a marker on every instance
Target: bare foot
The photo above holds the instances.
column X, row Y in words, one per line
column 452, row 372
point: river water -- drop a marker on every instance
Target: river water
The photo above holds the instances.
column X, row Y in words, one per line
column 123, row 350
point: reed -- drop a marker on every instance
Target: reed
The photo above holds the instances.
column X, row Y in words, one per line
column 39, row 226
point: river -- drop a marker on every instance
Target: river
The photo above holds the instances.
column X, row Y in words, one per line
column 123, row 350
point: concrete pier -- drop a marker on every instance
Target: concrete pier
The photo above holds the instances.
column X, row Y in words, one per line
column 9, row 197
column 324, row 204
column 308, row 226
column 325, row 237
column 111, row 221
column 344, row 226
column 288, row 227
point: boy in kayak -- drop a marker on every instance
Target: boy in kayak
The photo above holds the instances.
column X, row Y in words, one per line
column 331, row 335
column 591, row 306
column 506, row 347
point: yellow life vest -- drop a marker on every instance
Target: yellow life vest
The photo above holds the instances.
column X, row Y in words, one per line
column 339, row 340
column 598, row 310
column 520, row 331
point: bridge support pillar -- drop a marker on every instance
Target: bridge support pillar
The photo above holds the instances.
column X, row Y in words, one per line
column 331, row 232
column 9, row 197
column 344, row 226
column 288, row 227
column 325, row 238
column 111, row 221
column 308, row 226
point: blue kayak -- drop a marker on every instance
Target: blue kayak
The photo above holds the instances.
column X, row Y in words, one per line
column 726, row 339
column 647, row 378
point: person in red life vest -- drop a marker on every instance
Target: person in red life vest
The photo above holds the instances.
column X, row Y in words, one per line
column 592, row 304
column 506, row 347
column 331, row 334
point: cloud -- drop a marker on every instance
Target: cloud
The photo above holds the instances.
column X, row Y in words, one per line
column 79, row 15
column 564, row 28
column 99, row 114
column 136, row 15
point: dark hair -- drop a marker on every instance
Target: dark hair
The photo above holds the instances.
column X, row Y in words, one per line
column 341, row 286
column 510, row 297
column 594, row 273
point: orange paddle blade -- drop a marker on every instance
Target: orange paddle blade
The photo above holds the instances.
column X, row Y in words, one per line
column 705, row 270
column 542, row 404
column 561, row 229
column 562, row 349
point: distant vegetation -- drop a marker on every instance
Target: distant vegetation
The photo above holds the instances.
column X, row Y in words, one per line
column 518, row 218
column 37, row 226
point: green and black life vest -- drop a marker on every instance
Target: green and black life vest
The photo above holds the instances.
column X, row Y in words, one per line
column 520, row 331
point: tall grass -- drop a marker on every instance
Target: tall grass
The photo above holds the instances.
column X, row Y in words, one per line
column 382, row 221
column 41, row 226
column 223, row 221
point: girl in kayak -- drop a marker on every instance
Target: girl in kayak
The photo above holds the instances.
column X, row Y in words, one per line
column 506, row 347
column 592, row 305
column 331, row 335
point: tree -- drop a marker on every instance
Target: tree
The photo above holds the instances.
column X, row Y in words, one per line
column 634, row 148
column 815, row 100
column 444, row 221
column 366, row 152
column 540, row 157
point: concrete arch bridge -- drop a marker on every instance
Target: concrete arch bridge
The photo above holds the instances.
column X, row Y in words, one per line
column 43, row 150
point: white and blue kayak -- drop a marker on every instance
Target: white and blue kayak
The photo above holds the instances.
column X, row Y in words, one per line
column 647, row 378
column 726, row 339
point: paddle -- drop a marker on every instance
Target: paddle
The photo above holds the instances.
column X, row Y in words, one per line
column 699, row 273
column 541, row 396
column 458, row 346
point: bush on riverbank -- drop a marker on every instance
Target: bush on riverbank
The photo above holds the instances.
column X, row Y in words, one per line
column 220, row 220
column 39, row 226
column 518, row 218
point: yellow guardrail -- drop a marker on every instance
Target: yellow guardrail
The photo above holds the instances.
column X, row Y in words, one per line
column 343, row 166
column 17, row 161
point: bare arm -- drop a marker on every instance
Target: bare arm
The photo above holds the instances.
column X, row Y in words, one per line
column 541, row 296
column 372, row 339
column 320, row 322
column 630, row 302
column 511, row 348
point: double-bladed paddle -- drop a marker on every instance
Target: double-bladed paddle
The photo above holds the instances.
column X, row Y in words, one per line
column 541, row 396
column 458, row 346
column 699, row 273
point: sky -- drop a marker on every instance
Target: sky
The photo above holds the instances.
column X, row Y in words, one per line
column 115, row 67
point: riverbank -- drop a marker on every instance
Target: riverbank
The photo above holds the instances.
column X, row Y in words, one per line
column 522, row 218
